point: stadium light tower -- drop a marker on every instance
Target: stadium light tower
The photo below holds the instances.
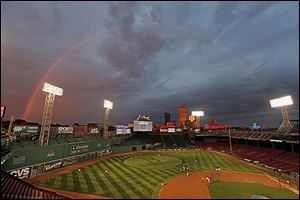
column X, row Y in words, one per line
column 48, row 111
column 108, row 105
column 283, row 103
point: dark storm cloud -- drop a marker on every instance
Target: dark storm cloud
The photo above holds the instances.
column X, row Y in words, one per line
column 131, row 46
column 226, row 58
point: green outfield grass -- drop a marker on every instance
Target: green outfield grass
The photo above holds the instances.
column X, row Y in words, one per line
column 236, row 190
column 140, row 175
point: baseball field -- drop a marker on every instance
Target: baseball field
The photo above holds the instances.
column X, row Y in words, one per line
column 174, row 174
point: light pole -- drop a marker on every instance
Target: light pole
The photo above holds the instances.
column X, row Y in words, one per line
column 48, row 111
column 283, row 103
column 108, row 105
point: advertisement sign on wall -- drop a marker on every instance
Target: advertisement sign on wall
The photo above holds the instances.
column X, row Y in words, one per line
column 93, row 130
column 254, row 126
column 120, row 126
column 69, row 161
column 178, row 129
column 171, row 130
column 142, row 126
column 106, row 152
column 25, row 130
column 80, row 130
column 163, row 130
column 52, row 165
column 21, row 173
column 65, row 129
column 123, row 131
column 37, row 170
column 79, row 149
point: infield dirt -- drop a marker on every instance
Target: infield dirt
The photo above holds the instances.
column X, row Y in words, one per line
column 195, row 186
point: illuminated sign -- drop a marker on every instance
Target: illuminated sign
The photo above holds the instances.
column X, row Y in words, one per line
column 213, row 127
column 79, row 149
column 163, row 130
column 171, row 130
column 53, row 165
column 93, row 130
column 178, row 129
column 25, row 130
column 142, row 126
column 65, row 129
column 123, row 131
column 254, row 126
column 21, row 173
column 121, row 126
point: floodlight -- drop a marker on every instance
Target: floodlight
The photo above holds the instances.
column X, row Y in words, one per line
column 53, row 89
column 283, row 101
column 108, row 104
column 198, row 113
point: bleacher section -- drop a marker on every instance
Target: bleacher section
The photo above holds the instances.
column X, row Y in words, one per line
column 179, row 141
column 14, row 188
column 264, row 136
column 279, row 159
column 169, row 143
column 167, row 140
column 188, row 140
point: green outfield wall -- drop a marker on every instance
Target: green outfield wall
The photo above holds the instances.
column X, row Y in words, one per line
column 29, row 160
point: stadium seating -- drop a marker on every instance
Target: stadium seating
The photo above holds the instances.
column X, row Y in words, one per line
column 179, row 140
column 187, row 140
column 14, row 188
column 168, row 141
column 280, row 159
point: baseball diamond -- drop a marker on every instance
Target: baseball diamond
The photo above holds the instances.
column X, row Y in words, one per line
column 141, row 174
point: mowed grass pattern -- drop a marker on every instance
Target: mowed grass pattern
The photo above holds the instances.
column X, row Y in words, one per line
column 236, row 190
column 141, row 180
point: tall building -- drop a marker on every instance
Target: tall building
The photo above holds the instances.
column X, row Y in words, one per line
column 194, row 121
column 167, row 117
column 182, row 116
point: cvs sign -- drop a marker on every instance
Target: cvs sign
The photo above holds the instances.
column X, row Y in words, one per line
column 21, row 173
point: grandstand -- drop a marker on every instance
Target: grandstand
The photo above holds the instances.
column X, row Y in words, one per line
column 14, row 188
column 275, row 158
column 67, row 150
column 166, row 140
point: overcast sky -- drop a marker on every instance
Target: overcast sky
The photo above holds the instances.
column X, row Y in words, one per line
column 225, row 58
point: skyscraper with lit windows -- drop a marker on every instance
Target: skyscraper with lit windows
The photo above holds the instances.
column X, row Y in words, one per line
column 182, row 116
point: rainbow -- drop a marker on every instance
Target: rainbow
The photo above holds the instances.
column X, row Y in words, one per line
column 51, row 68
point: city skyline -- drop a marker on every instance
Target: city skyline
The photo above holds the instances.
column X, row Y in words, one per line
column 225, row 58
